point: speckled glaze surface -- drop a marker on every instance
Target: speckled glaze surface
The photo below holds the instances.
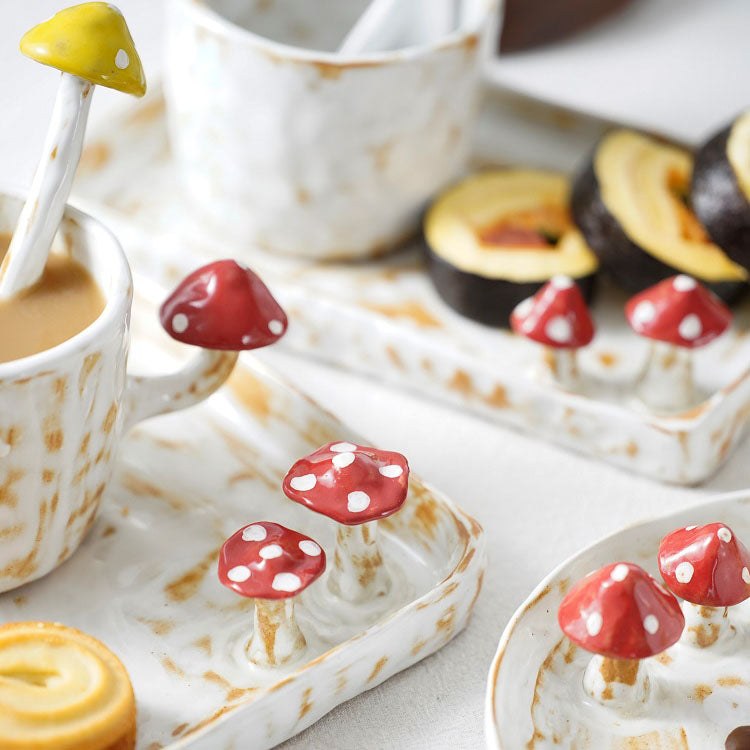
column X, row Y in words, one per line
column 277, row 143
column 150, row 563
column 697, row 696
column 383, row 318
column 63, row 411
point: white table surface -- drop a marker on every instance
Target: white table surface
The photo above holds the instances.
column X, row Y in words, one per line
column 537, row 503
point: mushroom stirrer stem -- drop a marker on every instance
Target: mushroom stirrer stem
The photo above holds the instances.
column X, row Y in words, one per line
column 271, row 564
column 556, row 317
column 355, row 486
column 621, row 614
column 679, row 315
column 709, row 568
column 224, row 308
column 91, row 45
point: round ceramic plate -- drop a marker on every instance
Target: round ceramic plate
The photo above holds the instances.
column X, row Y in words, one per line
column 664, row 66
column 535, row 698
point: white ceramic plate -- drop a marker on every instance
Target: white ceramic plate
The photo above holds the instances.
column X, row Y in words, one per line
column 535, row 698
column 383, row 318
column 145, row 581
column 670, row 67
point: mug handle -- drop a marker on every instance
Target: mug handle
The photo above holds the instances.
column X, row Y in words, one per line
column 149, row 395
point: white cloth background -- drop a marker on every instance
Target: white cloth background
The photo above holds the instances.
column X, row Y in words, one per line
column 537, row 503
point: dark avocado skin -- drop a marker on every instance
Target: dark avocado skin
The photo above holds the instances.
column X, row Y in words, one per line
column 485, row 300
column 630, row 267
column 718, row 200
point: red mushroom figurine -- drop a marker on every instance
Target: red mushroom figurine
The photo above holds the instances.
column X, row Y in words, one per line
column 678, row 315
column 355, row 486
column 621, row 614
column 224, row 308
column 557, row 317
column 708, row 567
column 271, row 564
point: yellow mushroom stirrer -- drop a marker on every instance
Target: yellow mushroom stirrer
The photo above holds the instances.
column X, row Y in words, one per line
column 91, row 45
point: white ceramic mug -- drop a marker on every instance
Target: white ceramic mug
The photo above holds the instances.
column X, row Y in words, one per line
column 306, row 152
column 63, row 411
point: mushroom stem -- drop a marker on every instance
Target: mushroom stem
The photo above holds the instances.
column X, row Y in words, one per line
column 667, row 382
column 358, row 573
column 563, row 365
column 41, row 215
column 705, row 626
column 276, row 638
column 616, row 682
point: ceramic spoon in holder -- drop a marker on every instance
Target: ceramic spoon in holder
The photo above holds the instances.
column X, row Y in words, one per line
column 91, row 45
column 355, row 486
column 709, row 568
column 623, row 616
column 678, row 315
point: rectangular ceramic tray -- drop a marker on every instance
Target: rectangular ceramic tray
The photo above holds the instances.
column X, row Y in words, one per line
column 145, row 582
column 383, row 318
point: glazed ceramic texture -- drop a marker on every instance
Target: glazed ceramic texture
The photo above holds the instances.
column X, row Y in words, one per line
column 63, row 411
column 150, row 564
column 416, row 342
column 307, row 153
column 697, row 695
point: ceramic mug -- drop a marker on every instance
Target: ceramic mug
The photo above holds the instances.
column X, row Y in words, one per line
column 306, row 152
column 64, row 410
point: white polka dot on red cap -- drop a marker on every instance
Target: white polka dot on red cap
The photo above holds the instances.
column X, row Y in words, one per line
column 254, row 533
column 643, row 313
column 559, row 330
column 286, row 582
column 594, row 623
column 342, row 447
column 271, row 551
column 238, row 574
column 651, row 624
column 180, row 323
column 683, row 283
column 684, row 572
column 619, row 572
column 357, row 501
column 275, row 327
column 690, row 327
column 303, row 482
column 561, row 282
column 746, row 575
column 524, row 308
column 724, row 534
column 391, row 471
column 309, row 547
column 342, row 460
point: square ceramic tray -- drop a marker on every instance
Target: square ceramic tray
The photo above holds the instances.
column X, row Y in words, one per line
column 383, row 318
column 145, row 580
column 535, row 698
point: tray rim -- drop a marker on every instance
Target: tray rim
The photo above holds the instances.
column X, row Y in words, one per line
column 491, row 733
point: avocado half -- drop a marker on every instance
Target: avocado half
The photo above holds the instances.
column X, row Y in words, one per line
column 495, row 238
column 720, row 191
column 630, row 202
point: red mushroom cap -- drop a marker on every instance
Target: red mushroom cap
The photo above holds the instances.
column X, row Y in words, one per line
column 679, row 311
column 620, row 611
column 223, row 305
column 265, row 560
column 706, row 565
column 556, row 316
column 349, row 483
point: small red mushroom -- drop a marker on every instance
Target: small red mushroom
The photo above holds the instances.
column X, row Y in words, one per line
column 678, row 315
column 224, row 308
column 623, row 615
column 557, row 317
column 355, row 486
column 708, row 567
column 271, row 564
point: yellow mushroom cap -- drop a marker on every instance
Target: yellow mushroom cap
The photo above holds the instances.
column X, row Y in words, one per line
column 91, row 41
